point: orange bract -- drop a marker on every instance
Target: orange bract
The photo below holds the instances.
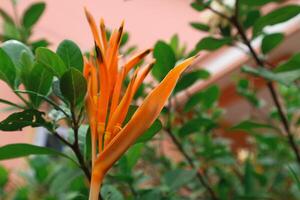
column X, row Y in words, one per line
column 107, row 108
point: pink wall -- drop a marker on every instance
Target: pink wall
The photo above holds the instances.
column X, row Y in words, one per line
column 146, row 20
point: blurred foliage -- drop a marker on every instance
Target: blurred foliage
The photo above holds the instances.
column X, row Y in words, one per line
column 266, row 168
column 20, row 26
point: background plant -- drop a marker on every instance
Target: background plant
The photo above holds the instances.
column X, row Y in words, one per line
column 208, row 168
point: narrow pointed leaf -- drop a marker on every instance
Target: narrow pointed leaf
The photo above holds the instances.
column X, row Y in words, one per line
column 12, row 151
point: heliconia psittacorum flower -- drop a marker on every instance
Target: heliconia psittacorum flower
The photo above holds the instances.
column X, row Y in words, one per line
column 105, row 106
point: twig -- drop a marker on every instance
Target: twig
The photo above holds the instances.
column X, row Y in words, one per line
column 75, row 145
column 271, row 89
column 191, row 163
column 189, row 160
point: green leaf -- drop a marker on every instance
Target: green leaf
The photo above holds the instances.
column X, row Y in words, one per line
column 3, row 177
column 10, row 31
column 88, row 145
column 70, row 53
column 124, row 40
column 50, row 60
column 174, row 42
column 12, row 151
column 39, row 43
column 15, row 49
column 277, row 16
column 17, row 121
column 200, row 26
column 292, row 64
column 285, row 78
column 165, row 60
column 129, row 160
column 7, row 69
column 41, row 84
column 73, row 86
column 244, row 90
column 271, row 41
column 251, row 18
column 33, row 14
column 190, row 78
column 110, row 192
column 294, row 176
column 197, row 6
column 196, row 125
column 6, row 17
column 257, row 2
column 177, row 178
column 250, row 126
column 207, row 98
column 151, row 132
column 248, row 178
column 212, row 44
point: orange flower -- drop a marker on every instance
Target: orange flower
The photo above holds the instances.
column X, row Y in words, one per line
column 107, row 108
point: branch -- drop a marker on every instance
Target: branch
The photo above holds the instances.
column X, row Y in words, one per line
column 189, row 160
column 270, row 86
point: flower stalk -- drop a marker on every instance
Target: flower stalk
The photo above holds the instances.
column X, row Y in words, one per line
column 107, row 106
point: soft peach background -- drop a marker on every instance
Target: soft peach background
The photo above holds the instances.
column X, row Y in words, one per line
column 146, row 20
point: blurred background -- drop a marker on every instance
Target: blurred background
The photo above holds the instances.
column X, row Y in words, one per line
column 148, row 21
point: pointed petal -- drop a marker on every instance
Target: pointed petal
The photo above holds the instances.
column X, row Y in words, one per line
column 122, row 109
column 94, row 29
column 141, row 120
column 117, row 92
column 103, row 35
column 142, row 75
column 135, row 60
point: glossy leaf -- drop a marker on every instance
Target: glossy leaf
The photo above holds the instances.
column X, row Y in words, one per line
column 19, row 120
column 18, row 150
column 73, row 86
column 200, row 26
column 286, row 77
column 41, row 84
column 277, row 16
column 15, row 49
column 70, row 53
column 211, row 44
column 165, row 60
column 33, row 14
column 190, row 78
column 51, row 61
column 271, row 41
column 290, row 65
column 7, row 69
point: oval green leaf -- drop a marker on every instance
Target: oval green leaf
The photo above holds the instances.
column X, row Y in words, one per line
column 70, row 53
column 271, row 41
column 7, row 69
column 33, row 14
column 51, row 61
column 73, row 86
